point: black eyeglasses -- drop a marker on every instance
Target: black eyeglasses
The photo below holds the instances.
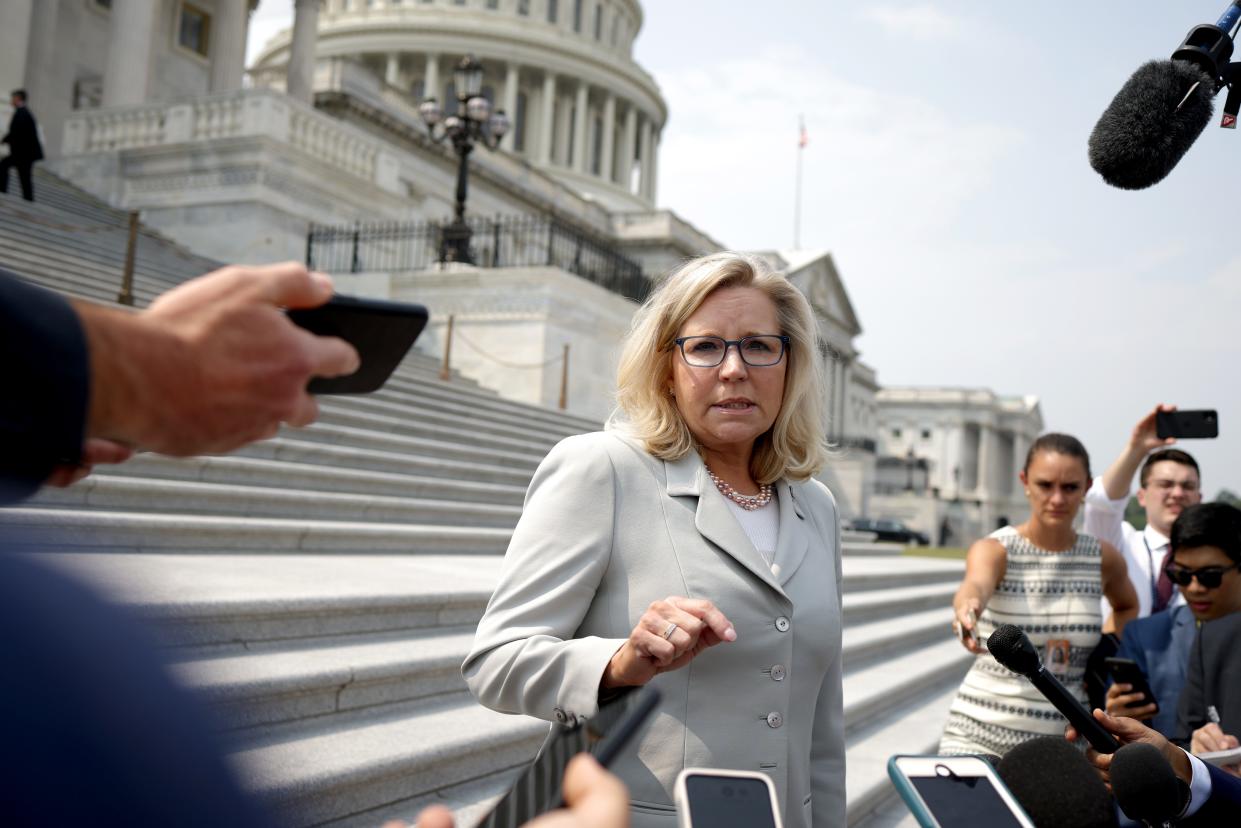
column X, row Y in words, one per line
column 1210, row 577
column 709, row 351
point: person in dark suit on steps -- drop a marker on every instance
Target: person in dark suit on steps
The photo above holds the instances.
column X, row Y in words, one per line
column 24, row 146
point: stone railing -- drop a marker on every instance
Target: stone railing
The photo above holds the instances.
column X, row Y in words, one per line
column 246, row 113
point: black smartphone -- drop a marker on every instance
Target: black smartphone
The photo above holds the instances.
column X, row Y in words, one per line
column 381, row 331
column 715, row 798
column 1200, row 424
column 1127, row 671
column 538, row 789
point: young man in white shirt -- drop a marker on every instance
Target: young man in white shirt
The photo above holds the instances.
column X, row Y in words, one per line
column 1168, row 483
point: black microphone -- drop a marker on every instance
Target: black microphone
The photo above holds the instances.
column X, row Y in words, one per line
column 1056, row 786
column 1145, row 785
column 1163, row 108
column 1013, row 649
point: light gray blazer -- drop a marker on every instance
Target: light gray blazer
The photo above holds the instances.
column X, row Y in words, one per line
column 606, row 530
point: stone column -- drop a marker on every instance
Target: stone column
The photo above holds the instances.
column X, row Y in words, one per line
column 564, row 130
column 228, row 44
column 392, row 70
column 628, row 145
column 512, row 78
column 580, row 122
column 547, row 125
column 986, row 459
column 40, row 52
column 15, row 37
column 654, row 166
column 607, row 164
column 301, row 71
column 129, row 52
column 644, row 160
column 431, row 80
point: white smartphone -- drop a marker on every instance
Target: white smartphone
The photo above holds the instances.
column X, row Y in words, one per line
column 955, row 792
column 714, row 798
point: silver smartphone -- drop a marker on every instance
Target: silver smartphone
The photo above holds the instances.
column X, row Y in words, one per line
column 714, row 798
column 955, row 792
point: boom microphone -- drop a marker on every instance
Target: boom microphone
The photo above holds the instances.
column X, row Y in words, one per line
column 1163, row 108
column 1056, row 786
column 1146, row 788
column 1013, row 649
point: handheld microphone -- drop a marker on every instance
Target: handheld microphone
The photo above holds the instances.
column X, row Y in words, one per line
column 1163, row 108
column 1013, row 649
column 1056, row 786
column 1145, row 785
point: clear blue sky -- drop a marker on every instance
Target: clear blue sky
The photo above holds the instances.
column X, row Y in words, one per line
column 946, row 171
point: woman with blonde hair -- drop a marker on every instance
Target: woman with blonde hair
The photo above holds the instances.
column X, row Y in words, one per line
column 687, row 546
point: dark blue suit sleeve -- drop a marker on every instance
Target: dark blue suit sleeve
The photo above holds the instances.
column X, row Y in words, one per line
column 1224, row 806
column 47, row 386
column 96, row 732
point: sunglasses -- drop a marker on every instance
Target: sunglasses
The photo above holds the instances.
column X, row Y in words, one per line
column 1210, row 577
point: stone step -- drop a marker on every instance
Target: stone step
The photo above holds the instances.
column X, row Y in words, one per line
column 876, row 690
column 433, row 422
column 407, row 390
column 263, row 685
column 441, row 446
column 397, row 754
column 911, row 729
column 133, row 494
column 870, row 641
column 135, row 532
column 315, row 453
column 872, row 573
column 893, row 603
column 87, row 257
column 878, row 549
column 469, row 802
column 233, row 603
column 283, row 474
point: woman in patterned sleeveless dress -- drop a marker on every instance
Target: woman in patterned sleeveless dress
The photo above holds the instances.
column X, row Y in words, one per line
column 1047, row 579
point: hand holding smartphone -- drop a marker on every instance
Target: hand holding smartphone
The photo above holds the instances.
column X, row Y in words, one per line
column 382, row 332
column 713, row 798
column 1200, row 424
column 1127, row 671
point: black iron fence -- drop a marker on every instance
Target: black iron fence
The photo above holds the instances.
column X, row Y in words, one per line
column 508, row 241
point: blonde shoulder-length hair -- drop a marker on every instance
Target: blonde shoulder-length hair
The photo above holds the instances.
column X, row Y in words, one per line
column 795, row 446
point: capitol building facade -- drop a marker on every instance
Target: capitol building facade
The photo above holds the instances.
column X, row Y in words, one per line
column 321, row 138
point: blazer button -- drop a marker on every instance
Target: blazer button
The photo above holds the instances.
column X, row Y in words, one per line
column 774, row 720
column 783, row 624
column 777, row 673
column 560, row 715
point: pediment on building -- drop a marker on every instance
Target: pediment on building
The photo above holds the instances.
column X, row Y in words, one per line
column 817, row 277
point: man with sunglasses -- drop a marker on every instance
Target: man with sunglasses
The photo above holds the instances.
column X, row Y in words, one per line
column 1168, row 482
column 1206, row 549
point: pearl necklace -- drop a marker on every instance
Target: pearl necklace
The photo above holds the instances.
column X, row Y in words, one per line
column 747, row 502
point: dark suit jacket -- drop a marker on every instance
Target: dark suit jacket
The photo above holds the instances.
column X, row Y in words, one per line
column 1224, row 806
column 1161, row 645
column 23, row 137
column 1213, row 679
column 46, row 386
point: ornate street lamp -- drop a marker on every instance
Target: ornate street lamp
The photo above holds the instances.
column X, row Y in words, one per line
column 473, row 123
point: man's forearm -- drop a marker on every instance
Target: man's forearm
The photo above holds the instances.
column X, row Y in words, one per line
column 1119, row 476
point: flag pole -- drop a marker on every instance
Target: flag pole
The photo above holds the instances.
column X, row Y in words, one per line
column 801, row 146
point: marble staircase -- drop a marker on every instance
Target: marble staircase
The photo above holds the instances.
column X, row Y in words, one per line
column 320, row 589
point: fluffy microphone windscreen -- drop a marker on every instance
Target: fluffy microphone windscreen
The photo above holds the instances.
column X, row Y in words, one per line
column 1146, row 788
column 1151, row 123
column 1056, row 785
column 1013, row 649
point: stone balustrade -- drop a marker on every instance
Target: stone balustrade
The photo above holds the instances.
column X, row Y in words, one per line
column 243, row 113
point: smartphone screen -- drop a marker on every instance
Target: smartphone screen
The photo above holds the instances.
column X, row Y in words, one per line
column 728, row 802
column 538, row 788
column 964, row 801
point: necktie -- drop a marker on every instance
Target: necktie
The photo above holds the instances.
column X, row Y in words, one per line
column 1163, row 589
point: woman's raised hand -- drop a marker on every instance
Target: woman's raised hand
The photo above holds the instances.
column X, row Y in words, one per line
column 667, row 637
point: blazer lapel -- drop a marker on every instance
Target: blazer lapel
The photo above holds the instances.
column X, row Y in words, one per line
column 687, row 477
column 794, row 537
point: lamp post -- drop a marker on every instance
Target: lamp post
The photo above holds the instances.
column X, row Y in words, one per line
column 473, row 123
